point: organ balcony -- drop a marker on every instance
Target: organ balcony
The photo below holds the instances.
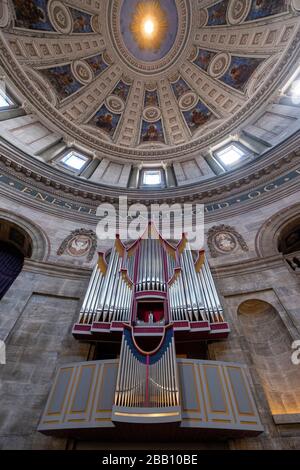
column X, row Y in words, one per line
column 179, row 399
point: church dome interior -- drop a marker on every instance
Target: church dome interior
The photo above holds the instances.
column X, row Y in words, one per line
column 196, row 96
column 148, row 115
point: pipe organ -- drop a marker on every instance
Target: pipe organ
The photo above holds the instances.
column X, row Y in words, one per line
column 148, row 299
column 148, row 295
column 152, row 283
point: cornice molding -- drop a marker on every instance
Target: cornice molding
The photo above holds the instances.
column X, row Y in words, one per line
column 248, row 266
column 48, row 178
column 31, row 187
column 57, row 270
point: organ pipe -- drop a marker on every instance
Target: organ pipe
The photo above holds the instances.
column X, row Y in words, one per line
column 144, row 380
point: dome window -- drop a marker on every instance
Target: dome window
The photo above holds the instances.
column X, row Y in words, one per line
column 5, row 101
column 152, row 178
column 295, row 91
column 74, row 160
column 230, row 155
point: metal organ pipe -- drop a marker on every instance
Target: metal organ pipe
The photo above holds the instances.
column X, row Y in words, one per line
column 116, row 304
column 198, row 294
column 207, row 301
column 87, row 298
column 111, row 287
column 156, row 265
column 114, row 289
column 194, row 308
column 210, row 295
column 85, row 309
column 150, row 270
column 143, row 260
column 94, row 296
column 187, row 294
column 214, row 290
column 106, row 286
column 193, row 295
column 142, row 384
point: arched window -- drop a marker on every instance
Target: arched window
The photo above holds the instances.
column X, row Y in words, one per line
column 15, row 246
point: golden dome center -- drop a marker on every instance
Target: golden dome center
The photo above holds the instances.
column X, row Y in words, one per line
column 149, row 25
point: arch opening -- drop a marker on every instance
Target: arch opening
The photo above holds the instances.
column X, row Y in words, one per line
column 15, row 246
column 289, row 243
column 270, row 348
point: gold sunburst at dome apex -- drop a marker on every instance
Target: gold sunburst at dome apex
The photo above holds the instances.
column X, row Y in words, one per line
column 149, row 25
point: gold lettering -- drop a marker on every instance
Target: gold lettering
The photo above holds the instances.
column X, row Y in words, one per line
column 41, row 197
column 26, row 190
column 254, row 194
column 270, row 187
column 223, row 205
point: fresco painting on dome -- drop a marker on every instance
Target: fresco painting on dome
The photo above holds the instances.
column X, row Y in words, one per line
column 151, row 98
column 122, row 90
column 263, row 8
column 105, row 120
column 62, row 79
column 203, row 59
column 217, row 14
column 32, row 14
column 97, row 64
column 198, row 116
column 152, row 132
column 180, row 88
column 81, row 21
column 240, row 71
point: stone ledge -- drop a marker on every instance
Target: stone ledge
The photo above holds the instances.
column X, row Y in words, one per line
column 248, row 266
column 57, row 270
column 290, row 418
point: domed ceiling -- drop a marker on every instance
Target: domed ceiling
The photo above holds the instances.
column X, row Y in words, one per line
column 149, row 79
